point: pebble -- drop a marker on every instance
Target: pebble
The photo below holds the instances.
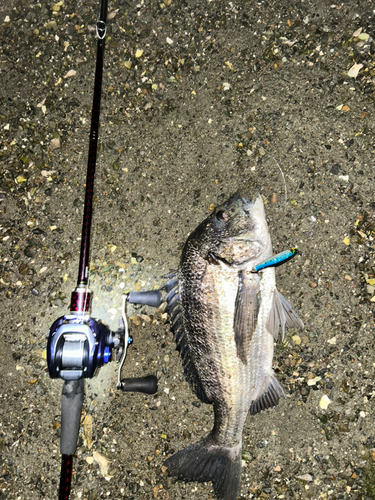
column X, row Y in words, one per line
column 305, row 477
column 23, row 269
column 313, row 381
column 87, row 430
column 247, row 456
column 52, row 25
column 324, row 402
column 136, row 320
column 30, row 251
column 55, row 143
column 363, row 453
column 296, row 339
column 38, row 231
column 103, row 463
column 70, row 73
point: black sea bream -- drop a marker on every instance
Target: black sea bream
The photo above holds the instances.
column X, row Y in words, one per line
column 225, row 319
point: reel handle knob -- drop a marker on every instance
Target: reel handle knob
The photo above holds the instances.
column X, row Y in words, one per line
column 150, row 298
column 148, row 385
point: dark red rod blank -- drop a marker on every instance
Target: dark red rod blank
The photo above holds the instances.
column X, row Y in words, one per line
column 84, row 259
column 65, row 477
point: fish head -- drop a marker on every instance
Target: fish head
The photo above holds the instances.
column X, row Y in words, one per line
column 237, row 231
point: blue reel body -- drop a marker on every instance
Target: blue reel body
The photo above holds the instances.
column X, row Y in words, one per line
column 77, row 346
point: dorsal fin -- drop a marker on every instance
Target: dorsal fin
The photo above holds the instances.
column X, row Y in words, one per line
column 175, row 313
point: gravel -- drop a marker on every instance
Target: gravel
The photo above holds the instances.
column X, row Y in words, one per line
column 200, row 99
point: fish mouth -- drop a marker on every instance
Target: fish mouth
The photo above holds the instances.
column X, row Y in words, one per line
column 247, row 201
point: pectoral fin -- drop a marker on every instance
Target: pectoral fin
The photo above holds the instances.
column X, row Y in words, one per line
column 292, row 319
column 245, row 314
column 282, row 315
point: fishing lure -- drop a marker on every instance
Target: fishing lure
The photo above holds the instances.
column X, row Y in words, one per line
column 276, row 260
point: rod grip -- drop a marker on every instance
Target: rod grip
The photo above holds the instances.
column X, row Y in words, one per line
column 71, row 407
column 150, row 298
column 148, row 385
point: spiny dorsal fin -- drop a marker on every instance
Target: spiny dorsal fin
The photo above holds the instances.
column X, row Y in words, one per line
column 175, row 313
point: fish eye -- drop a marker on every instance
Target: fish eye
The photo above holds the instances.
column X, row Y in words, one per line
column 222, row 216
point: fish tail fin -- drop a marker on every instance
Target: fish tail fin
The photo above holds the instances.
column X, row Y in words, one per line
column 205, row 461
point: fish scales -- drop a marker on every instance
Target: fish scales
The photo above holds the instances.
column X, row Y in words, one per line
column 226, row 318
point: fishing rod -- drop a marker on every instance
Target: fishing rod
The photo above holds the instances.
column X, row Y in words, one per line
column 77, row 343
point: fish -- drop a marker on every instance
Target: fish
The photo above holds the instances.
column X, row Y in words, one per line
column 225, row 319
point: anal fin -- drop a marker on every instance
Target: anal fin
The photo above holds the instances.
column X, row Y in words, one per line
column 269, row 398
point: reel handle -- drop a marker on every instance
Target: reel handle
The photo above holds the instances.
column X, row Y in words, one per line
column 150, row 298
column 147, row 385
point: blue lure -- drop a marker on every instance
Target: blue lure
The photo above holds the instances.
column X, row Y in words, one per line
column 276, row 260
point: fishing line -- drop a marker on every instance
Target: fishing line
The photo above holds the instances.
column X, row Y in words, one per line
column 282, row 174
column 126, row 338
column 88, row 272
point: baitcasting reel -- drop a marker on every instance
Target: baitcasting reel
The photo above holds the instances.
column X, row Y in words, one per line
column 78, row 345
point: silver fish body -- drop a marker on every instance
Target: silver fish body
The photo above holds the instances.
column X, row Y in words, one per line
column 225, row 319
